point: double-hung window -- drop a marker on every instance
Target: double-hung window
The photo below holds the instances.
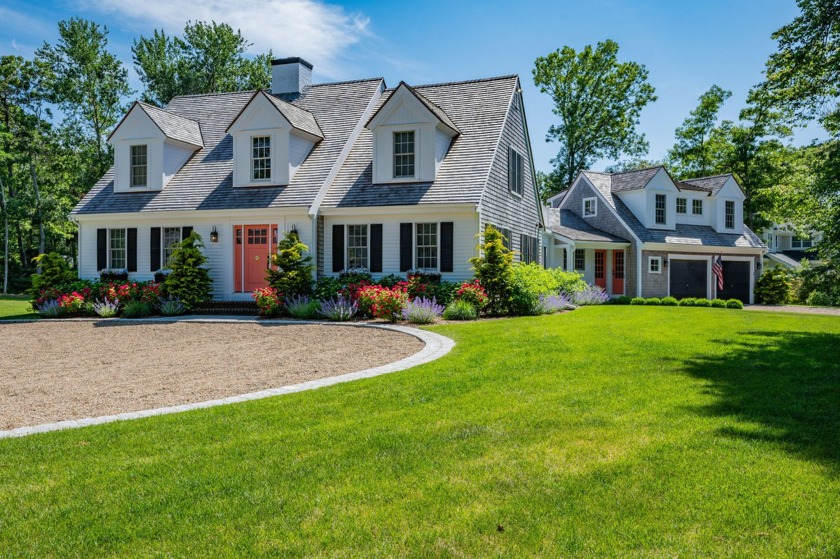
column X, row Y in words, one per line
column 682, row 206
column 729, row 215
column 171, row 239
column 117, row 248
column 139, row 166
column 580, row 259
column 261, row 158
column 426, row 246
column 659, row 209
column 357, row 246
column 516, row 178
column 697, row 207
column 404, row 155
column 590, row 207
column 529, row 247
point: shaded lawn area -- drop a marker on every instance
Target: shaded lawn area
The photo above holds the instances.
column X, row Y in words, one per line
column 15, row 307
column 608, row 431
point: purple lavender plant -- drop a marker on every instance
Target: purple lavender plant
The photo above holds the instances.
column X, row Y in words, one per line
column 106, row 308
column 592, row 295
column 50, row 309
column 422, row 310
column 548, row 304
column 338, row 309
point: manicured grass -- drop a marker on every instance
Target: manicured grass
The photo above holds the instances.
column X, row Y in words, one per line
column 608, row 431
column 15, row 306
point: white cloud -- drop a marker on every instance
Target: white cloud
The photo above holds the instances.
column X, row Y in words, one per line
column 321, row 33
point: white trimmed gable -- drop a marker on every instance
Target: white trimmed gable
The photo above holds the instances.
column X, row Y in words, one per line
column 730, row 191
column 164, row 156
column 288, row 146
column 404, row 111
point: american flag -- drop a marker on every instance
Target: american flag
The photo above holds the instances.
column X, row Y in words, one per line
column 717, row 270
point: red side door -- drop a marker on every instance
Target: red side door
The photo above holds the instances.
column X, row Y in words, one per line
column 601, row 268
column 618, row 272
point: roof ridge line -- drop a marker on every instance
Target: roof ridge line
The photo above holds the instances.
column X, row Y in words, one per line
column 459, row 82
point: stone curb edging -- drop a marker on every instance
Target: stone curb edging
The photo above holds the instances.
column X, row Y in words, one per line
column 436, row 346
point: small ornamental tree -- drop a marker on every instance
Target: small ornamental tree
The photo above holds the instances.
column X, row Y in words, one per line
column 773, row 287
column 494, row 271
column 189, row 280
column 55, row 273
column 291, row 267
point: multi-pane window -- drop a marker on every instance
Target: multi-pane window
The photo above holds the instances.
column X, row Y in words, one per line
column 357, row 246
column 801, row 242
column 171, row 239
column 257, row 236
column 659, row 209
column 655, row 264
column 427, row 246
column 117, row 248
column 697, row 207
column 682, row 205
column 729, row 215
column 139, row 165
column 580, row 259
column 403, row 154
column 516, row 177
column 261, row 158
column 590, row 207
column 530, row 247
column 507, row 238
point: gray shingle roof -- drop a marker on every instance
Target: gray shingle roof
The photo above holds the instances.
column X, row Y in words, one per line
column 297, row 117
column 570, row 225
column 205, row 181
column 710, row 184
column 479, row 107
column 174, row 126
column 632, row 180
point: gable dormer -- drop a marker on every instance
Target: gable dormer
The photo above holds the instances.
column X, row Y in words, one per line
column 150, row 146
column 411, row 136
column 650, row 194
column 271, row 139
column 728, row 207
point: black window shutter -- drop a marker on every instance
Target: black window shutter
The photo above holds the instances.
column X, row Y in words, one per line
column 338, row 248
column 406, row 246
column 185, row 232
column 101, row 249
column 131, row 245
column 446, row 246
column 376, row 248
column 154, row 254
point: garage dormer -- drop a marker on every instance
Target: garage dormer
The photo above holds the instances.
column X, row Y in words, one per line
column 411, row 136
column 150, row 146
column 271, row 139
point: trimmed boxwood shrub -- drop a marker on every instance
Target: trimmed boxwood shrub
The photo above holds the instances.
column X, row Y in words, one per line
column 773, row 287
column 688, row 302
column 702, row 303
column 670, row 302
column 719, row 303
column 819, row 299
column 734, row 304
column 637, row 301
column 655, row 301
column 621, row 300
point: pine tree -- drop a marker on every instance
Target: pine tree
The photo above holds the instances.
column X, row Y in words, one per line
column 189, row 281
column 291, row 270
column 494, row 270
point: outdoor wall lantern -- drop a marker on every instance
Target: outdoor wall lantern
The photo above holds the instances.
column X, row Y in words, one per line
column 293, row 230
column 665, row 262
column 214, row 235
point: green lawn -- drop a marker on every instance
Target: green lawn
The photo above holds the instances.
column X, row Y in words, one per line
column 605, row 432
column 14, row 306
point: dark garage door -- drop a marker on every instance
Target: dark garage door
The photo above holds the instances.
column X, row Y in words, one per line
column 688, row 278
column 736, row 281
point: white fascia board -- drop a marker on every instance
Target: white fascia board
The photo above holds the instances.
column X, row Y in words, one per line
column 423, row 209
column 607, row 204
column 227, row 215
column 703, row 249
column 600, row 245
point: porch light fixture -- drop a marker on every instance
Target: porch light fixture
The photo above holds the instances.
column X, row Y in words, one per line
column 214, row 235
column 293, row 230
column 665, row 262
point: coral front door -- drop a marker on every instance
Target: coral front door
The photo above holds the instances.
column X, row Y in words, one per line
column 252, row 255
column 601, row 268
column 618, row 272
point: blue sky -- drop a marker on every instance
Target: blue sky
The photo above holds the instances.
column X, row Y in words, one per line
column 686, row 45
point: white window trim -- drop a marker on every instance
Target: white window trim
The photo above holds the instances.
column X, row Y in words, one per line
column 415, row 135
column 347, row 242
column 125, row 249
column 163, row 229
column 131, row 167
column 664, row 209
column 595, row 207
column 686, row 205
column 270, row 158
column 734, row 215
column 415, row 246
column 512, row 150
column 702, row 207
column 651, row 260
column 574, row 260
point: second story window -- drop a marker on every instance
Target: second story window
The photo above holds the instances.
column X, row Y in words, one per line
column 261, row 158
column 403, row 155
column 729, row 215
column 516, row 178
column 798, row 242
column 659, row 214
column 590, row 207
column 681, row 206
column 697, row 207
column 139, row 165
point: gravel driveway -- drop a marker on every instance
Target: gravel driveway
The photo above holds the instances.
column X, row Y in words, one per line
column 54, row 371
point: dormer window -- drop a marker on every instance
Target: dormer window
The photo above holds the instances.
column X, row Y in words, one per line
column 404, row 155
column 729, row 215
column 261, row 158
column 139, row 166
column 590, row 207
column 660, row 209
column 516, row 178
